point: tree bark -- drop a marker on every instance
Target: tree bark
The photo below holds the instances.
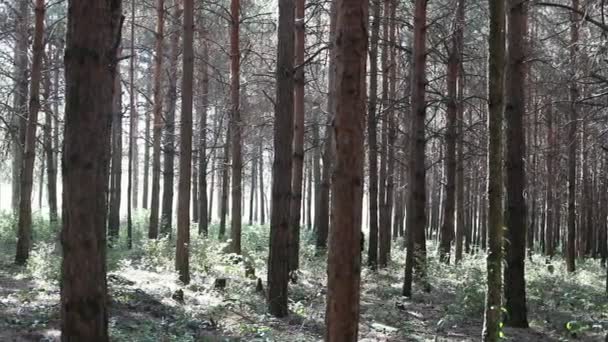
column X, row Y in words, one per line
column 572, row 148
column 372, row 139
column 298, row 139
column 203, row 222
column 116, row 162
column 18, row 121
column 515, row 216
column 93, row 37
column 278, row 259
column 261, row 175
column 454, row 67
column 24, row 224
column 157, row 123
column 344, row 260
column 49, row 150
column 496, row 62
column 166, row 216
column 416, row 216
column 146, row 180
column 235, row 123
column 182, row 253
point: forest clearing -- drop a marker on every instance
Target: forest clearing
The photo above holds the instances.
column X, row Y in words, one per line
column 303, row 170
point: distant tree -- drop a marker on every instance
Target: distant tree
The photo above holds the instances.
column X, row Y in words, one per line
column 235, row 128
column 157, row 122
column 24, row 224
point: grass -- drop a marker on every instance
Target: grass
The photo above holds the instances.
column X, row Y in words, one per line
column 142, row 283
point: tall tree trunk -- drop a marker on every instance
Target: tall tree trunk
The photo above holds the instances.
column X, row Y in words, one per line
column 316, row 165
column 551, row 210
column 157, row 123
column 372, row 139
column 236, row 127
column 24, row 224
column 146, row 185
column 454, row 67
column 571, row 236
column 416, row 216
column 298, row 140
column 19, row 118
column 93, row 36
column 261, row 175
column 166, row 216
column 252, row 190
column 383, row 225
column 496, row 62
column 323, row 204
column 225, row 180
column 203, row 68
column 132, row 168
column 116, row 163
column 182, row 261
column 344, row 260
column 278, row 259
column 515, row 216
column 49, row 151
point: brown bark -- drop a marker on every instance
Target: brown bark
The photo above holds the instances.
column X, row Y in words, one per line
column 166, row 216
column 182, row 253
column 416, row 216
column 515, row 215
column 49, row 150
column 372, row 139
column 261, row 175
column 298, row 139
column 454, row 67
column 235, row 123
column 344, row 260
column 146, row 180
column 203, row 68
column 252, row 187
column 551, row 211
column 93, row 36
column 24, row 224
column 572, row 143
column 116, row 163
column 323, row 204
column 157, row 123
column 223, row 208
column 278, row 259
column 133, row 133
column 18, row 121
column 496, row 62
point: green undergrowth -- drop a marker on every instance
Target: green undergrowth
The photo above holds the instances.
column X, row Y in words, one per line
column 143, row 285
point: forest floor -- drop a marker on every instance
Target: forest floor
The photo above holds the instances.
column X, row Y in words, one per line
column 146, row 305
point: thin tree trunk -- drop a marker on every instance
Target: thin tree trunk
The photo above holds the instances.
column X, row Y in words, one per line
column 157, row 124
column 235, row 123
column 146, row 185
column 278, row 259
column 372, row 252
column 416, row 217
column 298, row 140
column 132, row 169
column 93, row 33
column 49, row 152
column 182, row 253
column 454, row 67
column 309, row 195
column 496, row 62
column 204, row 211
column 116, row 163
column 24, row 224
column 572, row 148
column 166, row 216
column 252, row 190
column 20, row 104
column 225, row 181
column 261, row 175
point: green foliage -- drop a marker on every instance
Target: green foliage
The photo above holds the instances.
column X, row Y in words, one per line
column 44, row 264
